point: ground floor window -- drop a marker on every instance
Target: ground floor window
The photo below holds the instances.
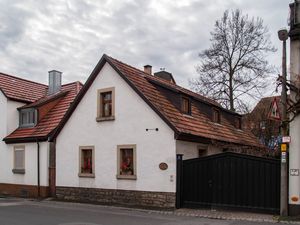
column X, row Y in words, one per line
column 86, row 161
column 19, row 159
column 126, row 161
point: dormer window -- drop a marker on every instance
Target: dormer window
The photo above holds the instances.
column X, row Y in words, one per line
column 28, row 117
column 216, row 116
column 186, row 105
column 238, row 123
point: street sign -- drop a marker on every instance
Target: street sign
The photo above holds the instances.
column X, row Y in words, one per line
column 283, row 147
column 294, row 172
column 283, row 157
column 274, row 112
column 286, row 139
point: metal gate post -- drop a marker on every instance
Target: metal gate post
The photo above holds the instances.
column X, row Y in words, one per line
column 179, row 180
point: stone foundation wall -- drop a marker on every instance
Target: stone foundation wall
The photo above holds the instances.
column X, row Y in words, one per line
column 141, row 199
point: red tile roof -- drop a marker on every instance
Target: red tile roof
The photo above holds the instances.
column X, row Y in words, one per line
column 22, row 90
column 198, row 125
column 51, row 120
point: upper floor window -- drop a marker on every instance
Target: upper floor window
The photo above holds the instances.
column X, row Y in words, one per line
column 186, row 105
column 216, row 116
column 106, row 104
column 28, row 117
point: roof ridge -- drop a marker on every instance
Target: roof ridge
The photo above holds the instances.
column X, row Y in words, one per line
column 19, row 78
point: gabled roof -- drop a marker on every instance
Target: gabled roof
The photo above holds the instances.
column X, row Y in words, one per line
column 195, row 128
column 50, row 121
column 21, row 90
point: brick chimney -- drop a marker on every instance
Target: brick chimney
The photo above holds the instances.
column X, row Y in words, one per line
column 148, row 69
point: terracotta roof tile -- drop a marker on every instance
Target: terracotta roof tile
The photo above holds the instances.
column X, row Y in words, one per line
column 51, row 120
column 198, row 124
column 20, row 89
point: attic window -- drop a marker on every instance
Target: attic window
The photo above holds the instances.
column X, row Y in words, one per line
column 216, row 116
column 186, row 105
column 28, row 117
column 238, row 123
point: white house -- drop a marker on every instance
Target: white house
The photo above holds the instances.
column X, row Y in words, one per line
column 113, row 140
column 29, row 113
column 117, row 143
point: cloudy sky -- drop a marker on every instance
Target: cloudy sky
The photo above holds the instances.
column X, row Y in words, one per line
column 71, row 35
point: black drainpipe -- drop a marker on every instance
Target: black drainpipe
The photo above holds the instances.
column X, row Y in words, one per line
column 38, row 169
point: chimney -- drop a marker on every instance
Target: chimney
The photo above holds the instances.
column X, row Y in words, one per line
column 148, row 69
column 166, row 76
column 54, row 82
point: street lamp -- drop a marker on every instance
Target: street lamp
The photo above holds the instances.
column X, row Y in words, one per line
column 283, row 36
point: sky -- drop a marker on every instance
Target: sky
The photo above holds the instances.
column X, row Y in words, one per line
column 71, row 35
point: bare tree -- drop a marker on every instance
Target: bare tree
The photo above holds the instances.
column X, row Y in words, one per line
column 235, row 64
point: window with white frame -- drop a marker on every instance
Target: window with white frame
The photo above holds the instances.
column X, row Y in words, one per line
column 19, row 159
column 86, row 161
column 126, row 167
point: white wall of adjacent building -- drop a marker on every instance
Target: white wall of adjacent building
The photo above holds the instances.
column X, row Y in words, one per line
column 132, row 117
column 294, row 146
column 191, row 150
column 8, row 123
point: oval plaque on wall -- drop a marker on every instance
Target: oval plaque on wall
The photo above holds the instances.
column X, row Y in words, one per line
column 163, row 166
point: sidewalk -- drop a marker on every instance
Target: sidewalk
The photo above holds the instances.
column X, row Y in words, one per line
column 184, row 212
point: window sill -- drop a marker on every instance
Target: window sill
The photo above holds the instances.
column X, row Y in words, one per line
column 86, row 175
column 188, row 115
column 109, row 118
column 126, row 177
column 18, row 171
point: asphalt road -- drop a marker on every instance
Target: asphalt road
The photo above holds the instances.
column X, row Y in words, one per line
column 24, row 212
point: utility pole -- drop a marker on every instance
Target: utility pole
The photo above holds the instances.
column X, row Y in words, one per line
column 283, row 36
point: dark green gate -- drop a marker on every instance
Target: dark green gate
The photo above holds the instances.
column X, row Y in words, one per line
column 229, row 180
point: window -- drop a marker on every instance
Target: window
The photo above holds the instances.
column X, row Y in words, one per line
column 186, row 105
column 126, row 162
column 28, row 117
column 86, row 161
column 238, row 123
column 106, row 104
column 19, row 159
column 202, row 152
column 216, row 116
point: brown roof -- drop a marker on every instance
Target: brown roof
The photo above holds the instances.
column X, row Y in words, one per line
column 52, row 118
column 198, row 126
column 22, row 90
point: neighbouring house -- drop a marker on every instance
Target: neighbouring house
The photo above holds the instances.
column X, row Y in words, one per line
column 264, row 121
column 30, row 112
column 114, row 140
column 118, row 142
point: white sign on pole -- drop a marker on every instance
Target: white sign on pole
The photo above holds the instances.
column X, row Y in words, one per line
column 286, row 139
column 283, row 157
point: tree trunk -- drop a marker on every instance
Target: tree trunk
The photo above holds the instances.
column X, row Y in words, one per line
column 231, row 91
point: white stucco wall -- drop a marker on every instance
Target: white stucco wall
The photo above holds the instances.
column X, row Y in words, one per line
column 30, row 176
column 294, row 146
column 190, row 150
column 8, row 123
column 132, row 117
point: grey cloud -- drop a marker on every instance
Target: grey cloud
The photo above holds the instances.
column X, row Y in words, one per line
column 71, row 36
